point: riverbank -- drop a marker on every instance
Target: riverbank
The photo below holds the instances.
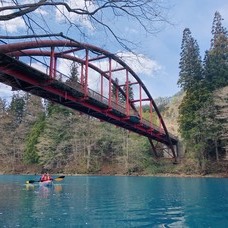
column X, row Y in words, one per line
column 161, row 168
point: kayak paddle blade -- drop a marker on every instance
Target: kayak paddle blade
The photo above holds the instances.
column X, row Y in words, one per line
column 30, row 182
column 59, row 178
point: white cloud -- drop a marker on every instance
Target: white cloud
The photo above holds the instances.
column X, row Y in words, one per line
column 39, row 10
column 12, row 25
column 140, row 64
column 62, row 13
column 64, row 66
column 16, row 24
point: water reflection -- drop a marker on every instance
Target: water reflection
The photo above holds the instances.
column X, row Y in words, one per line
column 44, row 191
column 57, row 188
column 115, row 202
column 29, row 187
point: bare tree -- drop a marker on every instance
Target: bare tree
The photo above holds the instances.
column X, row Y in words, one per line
column 147, row 14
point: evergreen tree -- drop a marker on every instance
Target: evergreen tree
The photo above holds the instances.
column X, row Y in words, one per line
column 33, row 125
column 74, row 72
column 199, row 125
column 130, row 91
column 216, row 77
column 16, row 108
column 217, row 29
column 114, row 91
column 120, row 98
column 190, row 62
column 191, row 80
column 216, row 59
column 73, row 80
column 30, row 155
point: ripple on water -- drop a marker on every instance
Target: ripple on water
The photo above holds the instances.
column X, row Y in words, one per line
column 117, row 202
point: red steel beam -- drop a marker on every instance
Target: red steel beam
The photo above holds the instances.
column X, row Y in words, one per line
column 75, row 46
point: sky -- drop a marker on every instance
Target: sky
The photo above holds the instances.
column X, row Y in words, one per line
column 161, row 51
column 197, row 15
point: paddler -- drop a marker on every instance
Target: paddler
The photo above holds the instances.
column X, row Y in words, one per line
column 46, row 177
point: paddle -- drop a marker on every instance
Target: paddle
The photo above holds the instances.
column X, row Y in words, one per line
column 60, row 178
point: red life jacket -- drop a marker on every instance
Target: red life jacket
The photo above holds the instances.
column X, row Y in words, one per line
column 44, row 177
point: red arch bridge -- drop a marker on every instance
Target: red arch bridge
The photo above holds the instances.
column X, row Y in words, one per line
column 102, row 88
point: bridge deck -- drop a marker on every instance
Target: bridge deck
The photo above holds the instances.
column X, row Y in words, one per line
column 20, row 76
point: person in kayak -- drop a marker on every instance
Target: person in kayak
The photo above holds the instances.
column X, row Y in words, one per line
column 46, row 177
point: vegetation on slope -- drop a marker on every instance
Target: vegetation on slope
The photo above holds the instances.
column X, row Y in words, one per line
column 37, row 135
column 200, row 126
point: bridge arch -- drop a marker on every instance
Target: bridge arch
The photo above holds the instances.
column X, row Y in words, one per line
column 106, row 68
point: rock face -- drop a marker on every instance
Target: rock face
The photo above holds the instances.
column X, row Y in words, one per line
column 170, row 115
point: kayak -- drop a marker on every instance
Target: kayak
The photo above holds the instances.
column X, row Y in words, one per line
column 47, row 183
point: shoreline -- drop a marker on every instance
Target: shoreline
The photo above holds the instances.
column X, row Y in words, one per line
column 219, row 175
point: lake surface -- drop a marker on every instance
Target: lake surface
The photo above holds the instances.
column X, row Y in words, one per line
column 103, row 201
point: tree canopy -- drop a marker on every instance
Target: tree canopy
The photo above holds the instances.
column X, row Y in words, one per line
column 200, row 125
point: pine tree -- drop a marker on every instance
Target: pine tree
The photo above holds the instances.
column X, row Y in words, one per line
column 199, row 126
column 74, row 72
column 130, row 91
column 191, row 123
column 34, row 119
column 73, row 80
column 116, row 94
column 216, row 77
column 216, row 59
column 190, row 62
column 115, row 90
column 217, row 29
column 16, row 108
column 30, row 155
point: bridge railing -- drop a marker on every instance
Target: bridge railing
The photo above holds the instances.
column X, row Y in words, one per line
column 118, row 106
column 149, row 124
column 59, row 76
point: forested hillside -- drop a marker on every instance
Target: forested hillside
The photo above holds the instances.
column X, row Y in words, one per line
column 203, row 111
column 37, row 135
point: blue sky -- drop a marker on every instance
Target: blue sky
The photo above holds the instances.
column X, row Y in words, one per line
column 161, row 50
column 195, row 15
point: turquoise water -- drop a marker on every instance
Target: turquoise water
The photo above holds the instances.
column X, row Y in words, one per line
column 96, row 201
